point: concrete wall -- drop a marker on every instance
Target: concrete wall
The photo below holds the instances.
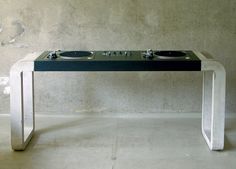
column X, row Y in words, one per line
column 32, row 25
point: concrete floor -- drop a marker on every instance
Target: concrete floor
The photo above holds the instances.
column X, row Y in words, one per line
column 117, row 143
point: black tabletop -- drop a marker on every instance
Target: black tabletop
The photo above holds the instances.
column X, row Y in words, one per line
column 183, row 60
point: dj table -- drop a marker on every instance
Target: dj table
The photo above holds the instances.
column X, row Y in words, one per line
column 22, row 83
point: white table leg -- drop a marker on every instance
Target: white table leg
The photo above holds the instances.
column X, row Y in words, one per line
column 213, row 104
column 22, row 103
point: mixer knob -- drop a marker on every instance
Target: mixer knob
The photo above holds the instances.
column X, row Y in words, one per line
column 104, row 53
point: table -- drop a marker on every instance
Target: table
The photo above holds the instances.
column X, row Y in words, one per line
column 23, row 113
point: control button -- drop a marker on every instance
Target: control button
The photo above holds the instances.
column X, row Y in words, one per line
column 52, row 55
column 148, row 54
column 126, row 53
column 109, row 53
column 114, row 53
